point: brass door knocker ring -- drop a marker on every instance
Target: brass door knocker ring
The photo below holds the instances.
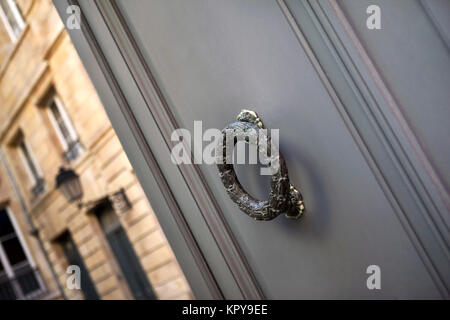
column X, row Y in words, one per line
column 283, row 197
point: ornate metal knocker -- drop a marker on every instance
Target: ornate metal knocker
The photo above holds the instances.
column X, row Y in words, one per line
column 283, row 197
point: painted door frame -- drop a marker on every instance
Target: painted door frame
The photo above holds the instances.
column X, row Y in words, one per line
column 182, row 200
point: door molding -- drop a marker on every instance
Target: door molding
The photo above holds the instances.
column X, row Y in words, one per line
column 167, row 123
column 379, row 129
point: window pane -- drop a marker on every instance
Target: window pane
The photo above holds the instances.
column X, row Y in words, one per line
column 5, row 224
column 13, row 16
column 61, row 124
column 6, row 290
column 14, row 251
column 26, row 278
column 28, row 160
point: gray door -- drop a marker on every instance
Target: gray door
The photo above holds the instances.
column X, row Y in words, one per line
column 74, row 258
column 125, row 255
column 300, row 66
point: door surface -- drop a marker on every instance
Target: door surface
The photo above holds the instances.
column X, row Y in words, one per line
column 125, row 255
column 73, row 258
column 186, row 61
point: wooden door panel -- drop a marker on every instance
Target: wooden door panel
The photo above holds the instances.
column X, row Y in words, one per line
column 212, row 59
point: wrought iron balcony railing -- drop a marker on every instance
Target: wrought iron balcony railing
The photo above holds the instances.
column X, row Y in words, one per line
column 39, row 187
column 73, row 151
column 25, row 285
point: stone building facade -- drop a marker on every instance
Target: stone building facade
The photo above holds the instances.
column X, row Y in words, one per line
column 51, row 116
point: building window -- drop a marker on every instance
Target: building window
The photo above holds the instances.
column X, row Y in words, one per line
column 63, row 126
column 19, row 279
column 74, row 258
column 12, row 18
column 34, row 173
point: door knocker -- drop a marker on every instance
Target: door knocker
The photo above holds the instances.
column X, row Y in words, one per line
column 283, row 197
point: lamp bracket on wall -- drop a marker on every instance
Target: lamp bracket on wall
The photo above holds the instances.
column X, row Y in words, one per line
column 69, row 183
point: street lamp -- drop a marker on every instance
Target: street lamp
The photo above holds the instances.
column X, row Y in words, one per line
column 68, row 183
